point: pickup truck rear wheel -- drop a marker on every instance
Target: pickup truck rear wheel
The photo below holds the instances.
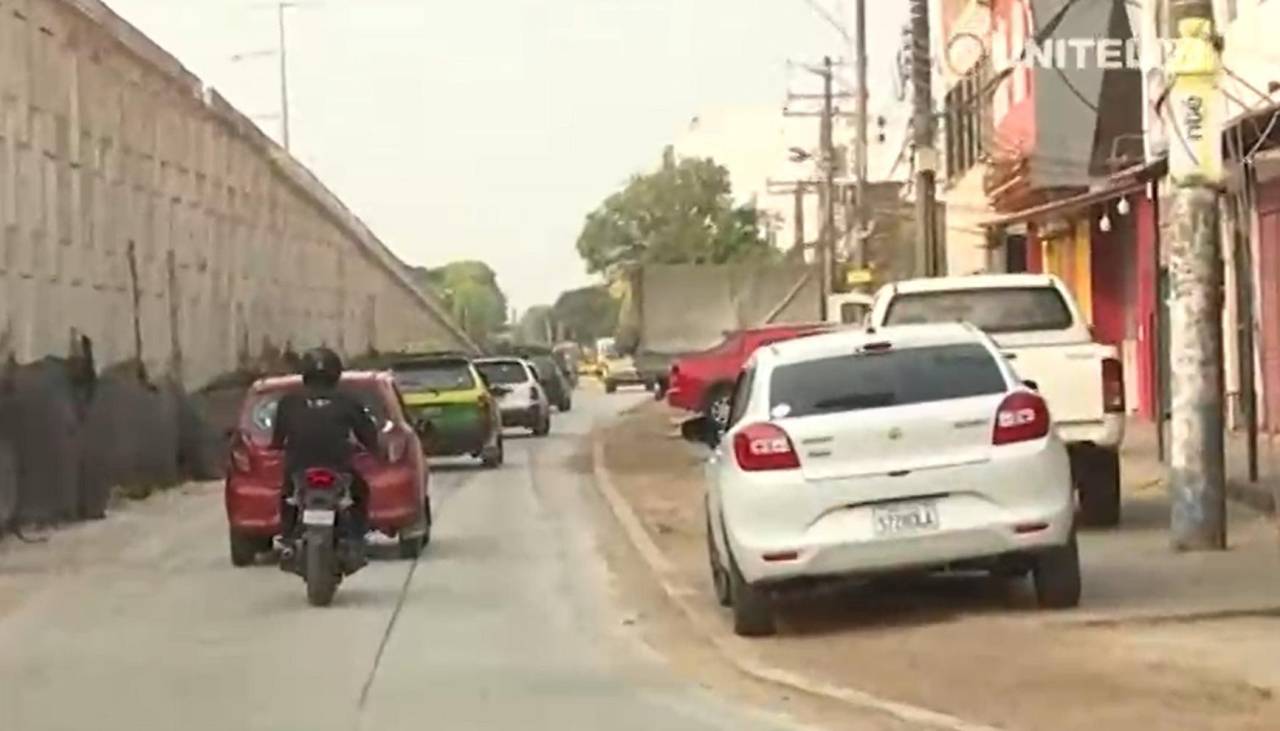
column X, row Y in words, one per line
column 610, row 386
column 1097, row 478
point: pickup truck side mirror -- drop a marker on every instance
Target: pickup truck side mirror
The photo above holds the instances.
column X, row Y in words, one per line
column 701, row 430
column 1034, row 386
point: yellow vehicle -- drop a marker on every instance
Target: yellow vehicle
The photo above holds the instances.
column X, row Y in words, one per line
column 446, row 391
column 616, row 369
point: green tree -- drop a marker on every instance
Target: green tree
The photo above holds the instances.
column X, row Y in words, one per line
column 470, row 290
column 588, row 313
column 683, row 213
column 536, row 327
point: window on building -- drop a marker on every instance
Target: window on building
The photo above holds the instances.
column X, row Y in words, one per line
column 967, row 113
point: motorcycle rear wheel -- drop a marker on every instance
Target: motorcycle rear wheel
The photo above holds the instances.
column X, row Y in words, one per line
column 320, row 569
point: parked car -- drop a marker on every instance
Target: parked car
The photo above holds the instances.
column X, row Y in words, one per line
column 1039, row 328
column 521, row 399
column 446, row 392
column 906, row 449
column 704, row 381
column 399, row 501
column 554, row 381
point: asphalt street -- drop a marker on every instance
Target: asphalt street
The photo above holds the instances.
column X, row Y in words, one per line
column 506, row 622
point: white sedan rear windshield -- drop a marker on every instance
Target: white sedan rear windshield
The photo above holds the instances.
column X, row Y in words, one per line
column 995, row 310
column 888, row 378
column 503, row 372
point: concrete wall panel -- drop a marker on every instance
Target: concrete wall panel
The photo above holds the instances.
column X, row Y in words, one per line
column 132, row 198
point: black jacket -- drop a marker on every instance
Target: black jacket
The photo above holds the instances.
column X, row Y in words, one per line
column 314, row 427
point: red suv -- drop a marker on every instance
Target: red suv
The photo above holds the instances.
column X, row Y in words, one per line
column 399, row 504
column 704, row 381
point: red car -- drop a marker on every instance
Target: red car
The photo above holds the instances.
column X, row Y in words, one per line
column 399, row 504
column 704, row 381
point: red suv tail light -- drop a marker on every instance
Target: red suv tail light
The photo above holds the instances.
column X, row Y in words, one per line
column 1022, row 417
column 762, row 447
column 1112, row 386
column 241, row 460
column 319, row 478
column 397, row 446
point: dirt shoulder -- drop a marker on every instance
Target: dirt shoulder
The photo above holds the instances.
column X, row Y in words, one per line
column 973, row 648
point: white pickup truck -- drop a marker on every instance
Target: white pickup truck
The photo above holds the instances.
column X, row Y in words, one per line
column 1037, row 324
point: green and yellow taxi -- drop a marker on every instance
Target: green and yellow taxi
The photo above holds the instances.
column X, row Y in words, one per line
column 446, row 392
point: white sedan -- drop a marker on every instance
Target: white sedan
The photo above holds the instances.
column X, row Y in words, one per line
column 860, row 453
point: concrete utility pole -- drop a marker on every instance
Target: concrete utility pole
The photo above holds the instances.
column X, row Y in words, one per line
column 929, row 260
column 861, row 217
column 284, row 77
column 1197, row 473
column 798, row 215
column 829, row 197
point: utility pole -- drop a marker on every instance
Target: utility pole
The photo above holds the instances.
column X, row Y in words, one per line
column 861, row 218
column 929, row 260
column 284, row 76
column 1197, row 474
column 827, row 142
column 798, row 215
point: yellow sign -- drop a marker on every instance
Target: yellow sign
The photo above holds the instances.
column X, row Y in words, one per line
column 858, row 276
column 1194, row 107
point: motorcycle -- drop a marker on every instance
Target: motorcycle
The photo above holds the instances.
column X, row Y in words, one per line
column 324, row 551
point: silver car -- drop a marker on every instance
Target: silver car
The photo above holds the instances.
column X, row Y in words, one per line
column 521, row 399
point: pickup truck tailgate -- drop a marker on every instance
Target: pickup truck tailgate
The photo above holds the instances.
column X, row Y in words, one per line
column 1068, row 376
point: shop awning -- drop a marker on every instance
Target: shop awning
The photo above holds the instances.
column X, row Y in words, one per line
column 1132, row 180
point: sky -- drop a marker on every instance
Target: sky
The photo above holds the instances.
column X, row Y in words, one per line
column 489, row 129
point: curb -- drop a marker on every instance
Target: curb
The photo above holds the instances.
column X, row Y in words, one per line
column 751, row 667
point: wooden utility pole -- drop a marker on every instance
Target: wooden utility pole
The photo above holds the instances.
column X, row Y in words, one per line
column 1197, row 475
column 929, row 258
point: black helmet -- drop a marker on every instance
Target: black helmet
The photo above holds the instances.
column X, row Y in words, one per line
column 321, row 367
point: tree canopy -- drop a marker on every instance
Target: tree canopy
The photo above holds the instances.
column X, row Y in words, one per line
column 470, row 290
column 587, row 314
column 683, row 213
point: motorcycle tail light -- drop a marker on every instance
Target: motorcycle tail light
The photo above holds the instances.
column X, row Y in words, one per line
column 320, row 478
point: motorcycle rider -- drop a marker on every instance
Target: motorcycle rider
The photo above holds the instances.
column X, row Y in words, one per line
column 313, row 426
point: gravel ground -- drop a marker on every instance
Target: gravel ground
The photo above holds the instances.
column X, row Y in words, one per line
column 971, row 647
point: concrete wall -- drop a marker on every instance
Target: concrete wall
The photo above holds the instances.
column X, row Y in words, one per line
column 139, row 208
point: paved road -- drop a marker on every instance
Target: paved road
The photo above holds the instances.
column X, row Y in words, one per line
column 140, row 623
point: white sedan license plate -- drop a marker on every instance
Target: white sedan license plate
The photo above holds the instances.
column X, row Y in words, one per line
column 317, row 517
column 900, row 518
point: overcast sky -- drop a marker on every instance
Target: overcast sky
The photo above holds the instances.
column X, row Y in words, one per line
column 488, row 129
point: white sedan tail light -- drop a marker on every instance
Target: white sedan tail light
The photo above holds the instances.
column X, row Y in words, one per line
column 1022, row 417
column 762, row 447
